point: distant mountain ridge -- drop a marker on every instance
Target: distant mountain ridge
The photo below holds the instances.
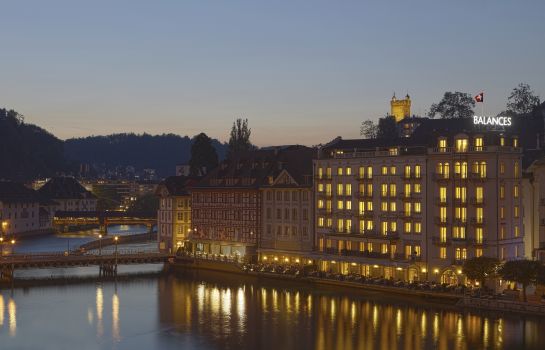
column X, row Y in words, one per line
column 159, row 152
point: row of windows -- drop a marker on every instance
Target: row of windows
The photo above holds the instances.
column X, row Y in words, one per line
column 461, row 144
column 233, row 198
column 367, row 171
column 287, row 195
column 410, row 250
column 286, row 231
column 345, row 225
column 239, row 215
column 292, row 214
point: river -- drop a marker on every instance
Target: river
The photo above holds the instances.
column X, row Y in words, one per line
column 207, row 310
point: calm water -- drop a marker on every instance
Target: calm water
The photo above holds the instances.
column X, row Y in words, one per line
column 218, row 311
column 63, row 241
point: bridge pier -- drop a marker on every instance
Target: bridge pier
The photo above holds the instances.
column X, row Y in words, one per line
column 103, row 229
column 107, row 270
column 6, row 274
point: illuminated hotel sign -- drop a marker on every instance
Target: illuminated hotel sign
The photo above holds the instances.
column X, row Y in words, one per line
column 495, row 121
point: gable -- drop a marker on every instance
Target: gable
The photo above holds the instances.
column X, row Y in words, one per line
column 284, row 178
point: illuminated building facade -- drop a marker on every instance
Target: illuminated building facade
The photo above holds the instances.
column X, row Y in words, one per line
column 416, row 208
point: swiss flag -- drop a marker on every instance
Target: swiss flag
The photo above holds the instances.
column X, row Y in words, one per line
column 480, row 97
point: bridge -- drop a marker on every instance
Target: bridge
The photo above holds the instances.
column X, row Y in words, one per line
column 64, row 219
column 106, row 262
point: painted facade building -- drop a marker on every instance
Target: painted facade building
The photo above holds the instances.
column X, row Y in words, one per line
column 19, row 209
column 68, row 194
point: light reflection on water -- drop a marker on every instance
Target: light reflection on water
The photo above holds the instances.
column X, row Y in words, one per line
column 209, row 311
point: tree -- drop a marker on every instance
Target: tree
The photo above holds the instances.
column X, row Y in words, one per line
column 522, row 100
column 387, row 127
column 480, row 268
column 239, row 139
column 147, row 204
column 369, row 129
column 453, row 105
column 525, row 272
column 203, row 155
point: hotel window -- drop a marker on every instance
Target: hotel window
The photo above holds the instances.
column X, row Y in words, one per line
column 482, row 169
column 340, row 205
column 328, row 173
column 369, row 225
column 442, row 194
column 370, row 190
column 502, row 191
column 417, row 227
column 442, row 145
column 516, row 191
column 348, row 225
column 384, row 206
column 417, row 171
column 502, row 232
column 515, row 142
column 361, row 172
column 502, row 168
column 417, row 207
column 329, row 222
column 393, row 207
column 384, row 170
column 502, row 141
column 408, row 251
column 369, row 247
column 369, row 172
column 443, row 234
column 384, row 228
column 328, row 205
column 340, row 225
column 384, row 190
column 393, row 226
column 339, row 171
column 443, row 214
column 407, row 171
column 516, row 212
column 417, row 188
column 393, row 170
column 408, row 207
column 320, row 203
column 362, row 226
column 461, row 194
column 369, row 206
column 479, row 143
column 407, row 190
column 320, row 173
column 392, row 151
column 460, row 169
column 478, row 252
column 340, row 188
column 517, row 231
column 393, row 190
column 348, row 189
column 384, row 248
column 461, row 253
column 479, row 215
column 328, row 189
column 417, row 250
column 320, row 221
column 320, row 187
column 348, row 171
column 459, row 232
column 517, row 170
column 407, row 227
column 479, row 235
column 442, row 253
column 479, row 195
column 502, row 212
column 361, row 207
column 361, row 189
column 348, row 205
column 461, row 145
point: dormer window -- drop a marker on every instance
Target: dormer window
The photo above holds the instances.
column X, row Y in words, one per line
column 478, row 143
column 515, row 142
column 442, row 145
column 461, row 145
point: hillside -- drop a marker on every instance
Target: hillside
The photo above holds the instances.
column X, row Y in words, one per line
column 27, row 151
column 160, row 152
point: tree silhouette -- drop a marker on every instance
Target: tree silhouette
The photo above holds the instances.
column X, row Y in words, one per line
column 203, row 155
column 239, row 140
column 453, row 105
column 522, row 100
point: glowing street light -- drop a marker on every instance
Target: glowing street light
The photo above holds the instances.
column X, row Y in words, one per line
column 99, row 244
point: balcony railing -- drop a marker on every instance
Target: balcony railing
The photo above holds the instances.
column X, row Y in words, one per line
column 324, row 177
column 477, row 176
column 477, row 201
column 440, row 177
column 364, row 177
column 367, row 214
column 478, row 221
column 440, row 221
column 438, row 241
column 364, row 195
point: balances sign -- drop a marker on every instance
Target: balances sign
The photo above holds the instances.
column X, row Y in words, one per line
column 497, row 121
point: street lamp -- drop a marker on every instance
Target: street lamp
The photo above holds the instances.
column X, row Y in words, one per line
column 99, row 244
column 1, row 246
column 116, row 239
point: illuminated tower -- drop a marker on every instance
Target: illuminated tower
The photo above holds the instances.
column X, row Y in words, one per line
column 400, row 108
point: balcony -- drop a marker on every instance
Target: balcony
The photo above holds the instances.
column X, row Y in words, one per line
column 440, row 221
column 324, row 211
column 477, row 176
column 403, row 257
column 441, row 201
column 411, row 176
column 440, row 177
column 393, row 235
column 363, row 177
column 477, row 201
column 323, row 177
column 460, row 201
column 365, row 196
column 442, row 150
column 437, row 241
column 368, row 214
column 478, row 221
column 365, row 254
column 460, row 240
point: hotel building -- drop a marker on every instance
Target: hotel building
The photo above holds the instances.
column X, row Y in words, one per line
column 415, row 208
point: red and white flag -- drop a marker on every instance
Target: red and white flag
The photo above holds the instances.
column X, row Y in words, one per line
column 480, row 97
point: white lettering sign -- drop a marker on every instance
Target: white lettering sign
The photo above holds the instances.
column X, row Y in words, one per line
column 500, row 121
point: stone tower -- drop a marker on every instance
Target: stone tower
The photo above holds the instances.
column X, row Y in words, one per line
column 400, row 108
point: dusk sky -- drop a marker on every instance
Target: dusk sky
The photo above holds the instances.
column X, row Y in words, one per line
column 300, row 71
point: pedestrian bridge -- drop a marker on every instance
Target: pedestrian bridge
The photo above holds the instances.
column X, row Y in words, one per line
column 107, row 262
column 64, row 219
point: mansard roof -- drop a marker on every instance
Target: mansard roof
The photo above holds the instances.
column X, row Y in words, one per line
column 65, row 188
column 13, row 192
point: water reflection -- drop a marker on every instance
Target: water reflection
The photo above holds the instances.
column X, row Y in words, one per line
column 229, row 314
column 115, row 317
column 12, row 312
column 100, row 310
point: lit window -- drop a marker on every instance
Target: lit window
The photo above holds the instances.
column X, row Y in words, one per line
column 443, row 253
column 339, row 171
column 516, row 191
column 384, row 170
column 461, row 145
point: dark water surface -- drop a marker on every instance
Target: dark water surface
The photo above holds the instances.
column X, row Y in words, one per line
column 222, row 311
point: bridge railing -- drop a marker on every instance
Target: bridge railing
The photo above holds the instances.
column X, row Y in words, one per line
column 61, row 255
